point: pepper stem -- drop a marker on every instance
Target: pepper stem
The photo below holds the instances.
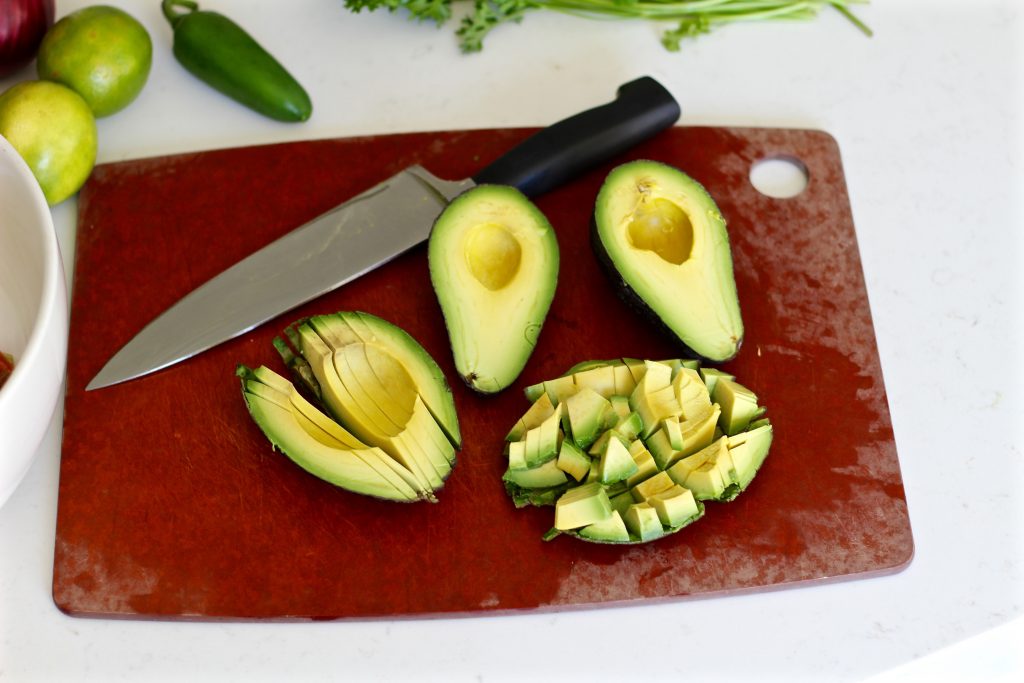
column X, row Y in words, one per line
column 168, row 7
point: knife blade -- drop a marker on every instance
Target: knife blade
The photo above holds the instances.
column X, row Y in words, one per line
column 376, row 226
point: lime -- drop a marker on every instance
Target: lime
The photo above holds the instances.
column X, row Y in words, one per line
column 102, row 53
column 54, row 131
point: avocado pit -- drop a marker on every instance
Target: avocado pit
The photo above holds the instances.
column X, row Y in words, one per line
column 493, row 255
column 661, row 226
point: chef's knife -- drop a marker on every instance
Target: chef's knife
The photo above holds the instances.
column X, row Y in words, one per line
column 375, row 227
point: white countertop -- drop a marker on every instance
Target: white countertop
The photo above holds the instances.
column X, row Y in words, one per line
column 928, row 115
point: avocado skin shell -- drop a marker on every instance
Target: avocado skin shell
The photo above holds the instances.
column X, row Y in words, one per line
column 636, row 302
column 220, row 53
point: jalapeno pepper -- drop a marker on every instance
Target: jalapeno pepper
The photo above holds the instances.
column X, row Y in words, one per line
column 219, row 52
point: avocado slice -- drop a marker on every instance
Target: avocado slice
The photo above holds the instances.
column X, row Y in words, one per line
column 739, row 405
column 544, row 476
column 662, row 238
column 709, row 473
column 748, row 451
column 573, row 461
column 542, row 442
column 642, row 521
column 493, row 261
column 611, row 530
column 582, row 506
column 361, row 470
column 586, row 412
column 652, row 486
column 540, row 410
column 600, row 380
column 616, row 463
column 674, row 506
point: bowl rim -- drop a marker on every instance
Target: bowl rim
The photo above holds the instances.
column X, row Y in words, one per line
column 52, row 277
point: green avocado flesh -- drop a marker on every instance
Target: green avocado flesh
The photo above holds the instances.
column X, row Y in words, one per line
column 379, row 400
column 662, row 449
column 494, row 265
column 661, row 237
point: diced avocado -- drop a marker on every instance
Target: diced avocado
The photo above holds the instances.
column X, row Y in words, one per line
column 361, row 470
column 534, row 391
column 542, row 441
column 611, row 530
column 711, row 377
column 540, row 410
column 653, row 486
column 616, row 463
column 629, row 427
column 625, row 383
column 586, row 411
column 646, row 466
column 707, row 473
column 622, row 501
column 699, row 432
column 661, row 448
column 598, row 447
column 748, row 454
column 675, row 506
column 660, row 234
column 637, row 369
column 517, row 455
column 600, row 380
column 541, row 477
column 559, row 389
column 582, row 506
column 620, row 404
column 691, row 392
column 739, row 405
column 642, row 521
column 493, row 261
column 654, row 405
column 573, row 461
column 522, row 497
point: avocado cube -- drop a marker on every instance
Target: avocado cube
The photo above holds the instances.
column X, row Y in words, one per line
column 573, row 461
column 651, row 487
column 661, row 448
column 517, row 455
column 642, row 520
column 674, row 506
column 645, row 464
column 542, row 477
column 711, row 377
column 702, row 472
column 621, row 405
column 616, row 463
column 560, row 388
column 691, row 392
column 630, row 426
column 585, row 410
column 611, row 530
column 654, row 406
column 582, row 506
column 598, row 447
column 699, row 432
column 748, row 451
column 636, row 369
column 622, row 501
column 539, row 411
column 738, row 404
column 624, row 381
column 534, row 392
column 600, row 380
column 542, row 442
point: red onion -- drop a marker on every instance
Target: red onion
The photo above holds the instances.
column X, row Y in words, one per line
column 23, row 23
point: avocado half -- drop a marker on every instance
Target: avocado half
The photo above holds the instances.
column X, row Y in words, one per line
column 494, row 267
column 661, row 237
column 383, row 419
column 628, row 451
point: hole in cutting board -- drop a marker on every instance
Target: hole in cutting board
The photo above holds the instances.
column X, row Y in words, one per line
column 780, row 177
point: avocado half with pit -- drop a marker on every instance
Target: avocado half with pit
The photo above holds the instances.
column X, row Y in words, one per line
column 628, row 451
column 661, row 237
column 494, row 267
column 382, row 420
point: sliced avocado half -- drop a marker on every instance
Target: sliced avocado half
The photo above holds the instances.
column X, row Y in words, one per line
column 494, row 267
column 662, row 238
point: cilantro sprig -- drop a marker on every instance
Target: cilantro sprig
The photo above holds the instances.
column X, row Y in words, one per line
column 692, row 17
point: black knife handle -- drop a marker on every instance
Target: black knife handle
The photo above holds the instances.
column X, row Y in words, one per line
column 560, row 152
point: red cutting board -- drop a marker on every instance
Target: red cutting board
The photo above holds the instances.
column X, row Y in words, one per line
column 172, row 504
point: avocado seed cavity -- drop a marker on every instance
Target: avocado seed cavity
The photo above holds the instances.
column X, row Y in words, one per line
column 661, row 226
column 493, row 255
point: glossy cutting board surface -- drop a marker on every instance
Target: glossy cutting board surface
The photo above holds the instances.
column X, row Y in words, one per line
column 172, row 504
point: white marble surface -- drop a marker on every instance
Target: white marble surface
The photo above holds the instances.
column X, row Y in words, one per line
column 928, row 115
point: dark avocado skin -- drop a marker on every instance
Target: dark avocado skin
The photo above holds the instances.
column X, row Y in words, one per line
column 634, row 301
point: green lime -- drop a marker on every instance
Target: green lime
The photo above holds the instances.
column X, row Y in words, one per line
column 54, row 131
column 100, row 52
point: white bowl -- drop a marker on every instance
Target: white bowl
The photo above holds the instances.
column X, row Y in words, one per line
column 33, row 318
